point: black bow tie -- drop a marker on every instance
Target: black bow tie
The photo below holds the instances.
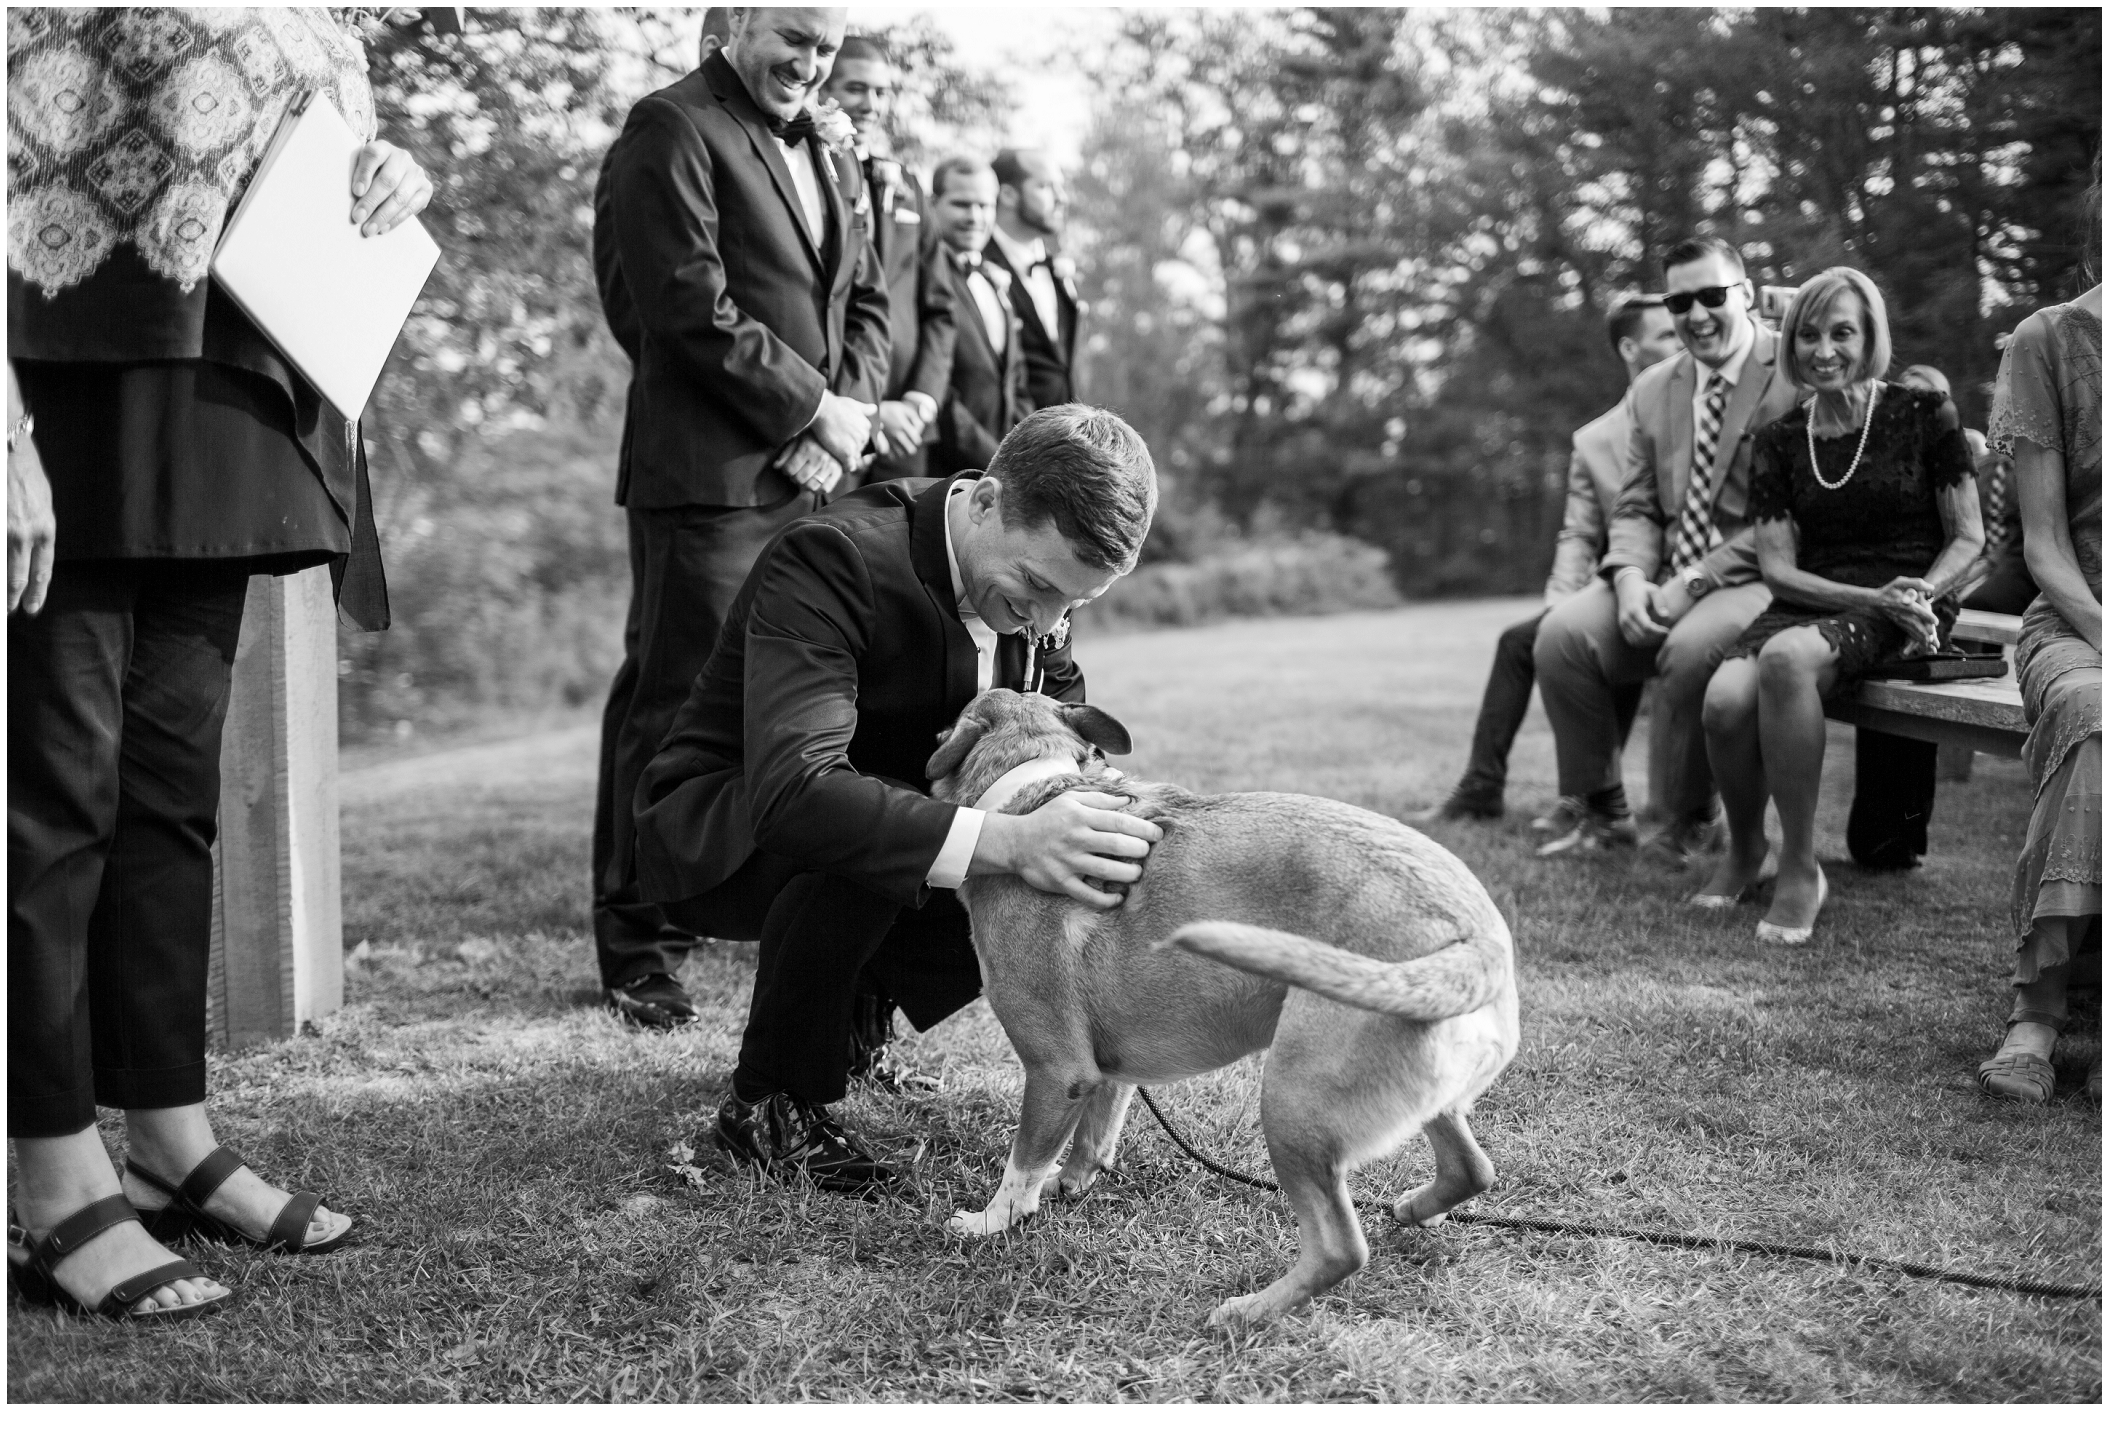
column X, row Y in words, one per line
column 795, row 131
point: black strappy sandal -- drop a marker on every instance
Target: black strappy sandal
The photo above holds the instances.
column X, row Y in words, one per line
column 37, row 1277
column 184, row 1214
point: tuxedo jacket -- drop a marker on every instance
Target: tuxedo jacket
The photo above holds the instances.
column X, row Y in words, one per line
column 807, row 733
column 742, row 319
column 1659, row 467
column 1050, row 360
column 985, row 395
column 1595, row 470
column 918, row 287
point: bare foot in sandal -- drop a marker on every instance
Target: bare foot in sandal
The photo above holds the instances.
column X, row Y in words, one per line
column 165, row 1145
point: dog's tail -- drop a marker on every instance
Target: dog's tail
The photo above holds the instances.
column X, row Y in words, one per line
column 1453, row 980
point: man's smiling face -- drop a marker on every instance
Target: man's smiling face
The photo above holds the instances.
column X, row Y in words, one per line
column 1711, row 333
column 784, row 56
column 1019, row 577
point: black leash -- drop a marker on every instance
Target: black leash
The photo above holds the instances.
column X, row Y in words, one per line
column 1672, row 1240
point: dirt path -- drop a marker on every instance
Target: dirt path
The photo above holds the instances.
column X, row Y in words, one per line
column 546, row 761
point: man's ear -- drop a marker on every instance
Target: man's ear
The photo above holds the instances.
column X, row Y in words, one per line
column 954, row 745
column 1098, row 728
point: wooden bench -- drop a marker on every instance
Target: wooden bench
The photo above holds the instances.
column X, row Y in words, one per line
column 1982, row 714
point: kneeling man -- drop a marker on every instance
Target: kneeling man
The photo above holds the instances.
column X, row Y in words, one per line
column 788, row 801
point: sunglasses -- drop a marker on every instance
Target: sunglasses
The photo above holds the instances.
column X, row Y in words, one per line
column 1678, row 302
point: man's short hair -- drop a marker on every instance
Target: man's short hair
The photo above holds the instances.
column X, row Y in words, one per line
column 717, row 25
column 1814, row 299
column 1086, row 471
column 1626, row 316
column 1698, row 248
column 1009, row 164
column 863, row 47
column 953, row 165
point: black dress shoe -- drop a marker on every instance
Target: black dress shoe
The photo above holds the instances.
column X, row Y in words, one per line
column 1460, row 804
column 786, row 1136
column 656, row 1000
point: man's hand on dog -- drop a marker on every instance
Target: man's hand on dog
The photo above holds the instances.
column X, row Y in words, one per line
column 1068, row 844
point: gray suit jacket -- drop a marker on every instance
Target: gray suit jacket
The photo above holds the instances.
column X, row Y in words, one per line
column 1659, row 467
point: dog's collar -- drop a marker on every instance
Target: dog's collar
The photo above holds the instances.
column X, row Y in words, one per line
column 1024, row 775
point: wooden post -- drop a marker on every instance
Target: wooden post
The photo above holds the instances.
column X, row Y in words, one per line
column 277, row 945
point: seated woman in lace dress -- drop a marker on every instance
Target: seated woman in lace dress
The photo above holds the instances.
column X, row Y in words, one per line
column 2047, row 414
column 1866, row 517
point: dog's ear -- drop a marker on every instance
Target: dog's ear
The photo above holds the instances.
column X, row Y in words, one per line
column 953, row 747
column 1098, row 728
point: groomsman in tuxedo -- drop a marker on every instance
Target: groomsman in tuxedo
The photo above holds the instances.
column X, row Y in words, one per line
column 919, row 291
column 759, row 364
column 1030, row 204
column 985, row 395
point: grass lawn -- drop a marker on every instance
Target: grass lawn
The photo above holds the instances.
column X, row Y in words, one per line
column 532, row 1239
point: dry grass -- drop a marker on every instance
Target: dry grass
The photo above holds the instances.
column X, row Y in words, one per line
column 532, row 1242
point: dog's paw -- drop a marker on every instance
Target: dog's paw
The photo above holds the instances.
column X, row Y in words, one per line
column 1247, row 1311
column 1418, row 1209
column 1076, row 1181
column 981, row 1225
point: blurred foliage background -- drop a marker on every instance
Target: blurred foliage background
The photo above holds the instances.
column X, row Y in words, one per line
column 1346, row 269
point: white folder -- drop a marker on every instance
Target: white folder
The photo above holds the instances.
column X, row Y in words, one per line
column 291, row 257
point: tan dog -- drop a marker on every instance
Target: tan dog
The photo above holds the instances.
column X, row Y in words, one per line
column 1367, row 958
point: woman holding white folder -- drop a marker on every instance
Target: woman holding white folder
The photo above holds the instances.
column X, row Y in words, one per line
column 160, row 452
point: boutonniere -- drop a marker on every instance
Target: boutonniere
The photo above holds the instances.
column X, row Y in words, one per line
column 1056, row 639
column 1064, row 270
column 836, row 130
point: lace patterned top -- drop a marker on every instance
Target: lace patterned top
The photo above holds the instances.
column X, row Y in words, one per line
column 131, row 134
column 2050, row 393
column 1883, row 524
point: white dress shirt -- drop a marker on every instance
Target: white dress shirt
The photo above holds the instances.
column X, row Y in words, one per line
column 1731, row 372
column 950, row 869
column 799, row 160
column 1023, row 258
column 995, row 315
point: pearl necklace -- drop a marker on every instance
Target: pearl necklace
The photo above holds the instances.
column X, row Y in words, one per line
column 1865, row 427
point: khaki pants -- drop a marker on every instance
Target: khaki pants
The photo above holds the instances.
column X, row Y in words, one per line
column 1583, row 659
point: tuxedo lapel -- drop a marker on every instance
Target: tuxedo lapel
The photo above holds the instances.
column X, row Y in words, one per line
column 726, row 85
column 933, row 568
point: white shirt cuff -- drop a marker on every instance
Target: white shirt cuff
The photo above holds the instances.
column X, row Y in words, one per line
column 950, row 869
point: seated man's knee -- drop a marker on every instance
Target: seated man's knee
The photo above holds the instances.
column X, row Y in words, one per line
column 1564, row 634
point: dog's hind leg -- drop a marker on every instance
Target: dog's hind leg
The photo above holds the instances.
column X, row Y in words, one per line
column 1052, row 1104
column 1097, row 1139
column 1462, row 1171
column 1314, row 1180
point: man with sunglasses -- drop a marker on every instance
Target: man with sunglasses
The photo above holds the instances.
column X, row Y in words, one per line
column 1679, row 580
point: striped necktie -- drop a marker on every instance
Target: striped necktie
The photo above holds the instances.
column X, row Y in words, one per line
column 1695, row 533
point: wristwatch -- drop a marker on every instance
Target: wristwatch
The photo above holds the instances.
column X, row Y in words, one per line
column 1696, row 582
column 24, row 427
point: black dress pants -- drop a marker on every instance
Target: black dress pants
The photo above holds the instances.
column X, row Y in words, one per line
column 116, row 694
column 1893, row 785
column 1507, row 700
column 687, row 564
column 821, row 935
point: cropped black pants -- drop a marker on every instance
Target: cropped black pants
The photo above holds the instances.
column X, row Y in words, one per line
column 116, row 694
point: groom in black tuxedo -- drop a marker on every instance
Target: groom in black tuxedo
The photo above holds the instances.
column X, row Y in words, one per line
column 732, row 251
column 789, row 803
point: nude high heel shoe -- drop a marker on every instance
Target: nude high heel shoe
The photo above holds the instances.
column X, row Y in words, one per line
column 1787, row 937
